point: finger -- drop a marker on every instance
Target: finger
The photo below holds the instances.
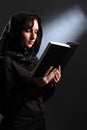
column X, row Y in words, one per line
column 57, row 75
column 59, row 69
column 48, row 71
column 51, row 75
column 56, row 78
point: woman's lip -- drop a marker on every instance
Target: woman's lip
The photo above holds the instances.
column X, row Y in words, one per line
column 30, row 41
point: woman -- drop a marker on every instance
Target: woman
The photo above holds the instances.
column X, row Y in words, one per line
column 23, row 96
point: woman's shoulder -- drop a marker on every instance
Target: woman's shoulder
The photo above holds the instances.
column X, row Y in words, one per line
column 5, row 59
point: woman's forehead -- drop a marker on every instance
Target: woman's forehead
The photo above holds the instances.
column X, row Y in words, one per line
column 30, row 23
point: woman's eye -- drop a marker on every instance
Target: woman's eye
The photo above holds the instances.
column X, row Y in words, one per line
column 28, row 30
column 36, row 32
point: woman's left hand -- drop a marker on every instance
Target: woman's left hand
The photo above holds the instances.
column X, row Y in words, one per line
column 52, row 76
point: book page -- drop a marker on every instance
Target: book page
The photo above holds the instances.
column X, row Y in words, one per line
column 60, row 44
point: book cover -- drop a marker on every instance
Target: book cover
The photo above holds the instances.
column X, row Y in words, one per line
column 54, row 54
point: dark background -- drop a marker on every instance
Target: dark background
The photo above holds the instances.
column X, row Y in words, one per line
column 67, row 109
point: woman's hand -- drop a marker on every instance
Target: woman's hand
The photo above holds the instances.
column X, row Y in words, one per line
column 52, row 75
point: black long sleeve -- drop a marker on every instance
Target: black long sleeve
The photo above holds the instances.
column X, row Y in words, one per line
column 17, row 87
column 17, row 79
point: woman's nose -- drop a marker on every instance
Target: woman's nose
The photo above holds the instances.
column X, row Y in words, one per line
column 32, row 35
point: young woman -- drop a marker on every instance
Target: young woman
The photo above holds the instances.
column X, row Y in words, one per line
column 21, row 95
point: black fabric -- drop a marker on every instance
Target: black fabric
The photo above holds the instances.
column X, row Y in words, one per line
column 24, row 124
column 10, row 37
column 20, row 98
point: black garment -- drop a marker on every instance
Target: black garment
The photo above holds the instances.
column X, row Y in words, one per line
column 21, row 101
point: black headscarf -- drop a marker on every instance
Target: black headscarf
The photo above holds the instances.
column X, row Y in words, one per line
column 10, row 39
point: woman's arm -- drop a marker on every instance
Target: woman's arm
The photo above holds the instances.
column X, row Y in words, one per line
column 19, row 81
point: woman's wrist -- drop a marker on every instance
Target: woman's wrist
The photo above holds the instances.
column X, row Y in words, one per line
column 39, row 82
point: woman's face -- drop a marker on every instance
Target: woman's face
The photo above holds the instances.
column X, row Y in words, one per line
column 29, row 33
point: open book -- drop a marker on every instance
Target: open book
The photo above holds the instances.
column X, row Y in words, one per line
column 54, row 54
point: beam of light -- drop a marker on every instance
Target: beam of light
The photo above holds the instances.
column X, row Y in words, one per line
column 67, row 27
